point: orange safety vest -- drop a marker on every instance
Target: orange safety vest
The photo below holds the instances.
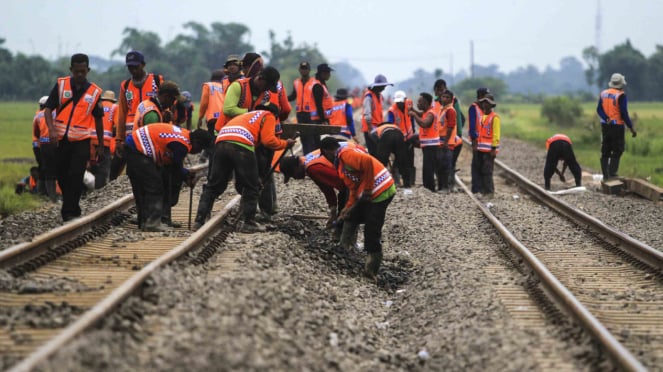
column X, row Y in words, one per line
column 444, row 127
column 278, row 99
column 301, row 103
column 109, row 120
column 485, row 140
column 152, row 140
column 245, row 101
column 247, row 129
column 381, row 179
column 382, row 128
column 39, row 125
column 430, row 136
column 338, row 118
column 402, row 119
column 74, row 119
column 215, row 94
column 557, row 137
column 610, row 104
column 376, row 113
column 135, row 96
column 145, row 107
column 327, row 100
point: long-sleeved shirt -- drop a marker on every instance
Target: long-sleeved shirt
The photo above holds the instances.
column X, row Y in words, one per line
column 349, row 119
column 472, row 114
column 327, row 180
column 230, row 107
column 318, row 94
column 623, row 109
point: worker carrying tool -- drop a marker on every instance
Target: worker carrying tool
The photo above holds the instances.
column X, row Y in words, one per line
column 149, row 150
column 559, row 148
column 370, row 190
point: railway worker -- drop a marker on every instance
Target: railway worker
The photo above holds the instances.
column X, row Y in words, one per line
column 439, row 87
column 78, row 112
column 390, row 140
column 319, row 103
column 372, row 110
column 399, row 114
column 303, row 106
column 488, row 144
column 101, row 169
column 371, row 188
column 141, row 86
column 44, row 157
column 341, row 115
column 560, row 147
column 149, row 149
column 449, row 140
column 28, row 183
column 188, row 108
column 232, row 69
column 474, row 114
column 211, row 101
column 235, row 151
column 159, row 108
column 613, row 111
column 246, row 93
column 429, row 139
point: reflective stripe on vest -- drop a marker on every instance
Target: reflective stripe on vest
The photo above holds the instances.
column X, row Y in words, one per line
column 215, row 97
column 143, row 109
column 135, row 95
column 454, row 140
column 610, row 104
column 75, row 120
column 110, row 115
column 338, row 118
column 430, row 136
column 376, row 111
column 485, row 140
column 152, row 140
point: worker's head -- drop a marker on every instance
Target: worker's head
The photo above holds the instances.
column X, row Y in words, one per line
column 291, row 167
column 481, row 92
column 447, row 97
column 42, row 102
column 379, row 83
column 34, row 172
column 304, row 69
column 187, row 98
column 424, row 101
column 233, row 65
column 270, row 108
column 487, row 103
column 323, row 72
column 439, row 86
column 252, row 64
column 399, row 99
column 135, row 62
column 79, row 67
column 617, row 81
column 267, row 79
column 168, row 93
column 200, row 139
column 217, row 75
column 328, row 147
column 108, row 95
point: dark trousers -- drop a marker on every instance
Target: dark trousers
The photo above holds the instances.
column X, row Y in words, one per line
column 392, row 142
column 101, row 169
column 371, row 146
column 372, row 215
column 147, row 185
column 310, row 142
column 117, row 166
column 267, row 198
column 229, row 157
column 71, row 159
column 430, row 166
column 172, row 179
column 564, row 151
column 484, row 168
column 445, row 171
column 612, row 148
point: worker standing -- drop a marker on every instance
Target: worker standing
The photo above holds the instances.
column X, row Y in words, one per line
column 78, row 113
column 341, row 115
column 303, row 106
column 141, row 86
column 399, row 114
column 429, row 139
column 235, row 151
column 390, row 140
column 148, row 150
column 559, row 147
column 372, row 110
column 371, row 189
column 474, row 114
column 448, row 142
column 613, row 111
column 488, row 144
column 43, row 151
column 211, row 101
column 189, row 107
column 319, row 100
column 101, row 169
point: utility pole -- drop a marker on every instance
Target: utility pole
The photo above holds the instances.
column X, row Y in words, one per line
column 597, row 37
column 471, row 59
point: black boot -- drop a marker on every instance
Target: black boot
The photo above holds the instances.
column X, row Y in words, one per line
column 51, row 190
column 604, row 168
column 614, row 167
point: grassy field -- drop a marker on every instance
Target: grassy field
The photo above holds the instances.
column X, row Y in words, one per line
column 643, row 157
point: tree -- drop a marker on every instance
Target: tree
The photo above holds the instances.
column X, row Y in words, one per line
column 146, row 42
column 655, row 75
column 466, row 89
column 591, row 57
column 628, row 61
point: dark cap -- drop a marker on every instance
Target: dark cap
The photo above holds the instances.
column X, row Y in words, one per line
column 170, row 87
column 269, row 107
column 135, row 58
column 329, row 143
column 341, row 93
column 489, row 98
column 482, row 92
column 288, row 167
column 305, row 65
column 271, row 76
column 323, row 67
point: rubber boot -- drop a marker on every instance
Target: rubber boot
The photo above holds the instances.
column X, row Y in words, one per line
column 154, row 225
column 614, row 167
column 51, row 190
column 372, row 266
column 349, row 235
column 604, row 168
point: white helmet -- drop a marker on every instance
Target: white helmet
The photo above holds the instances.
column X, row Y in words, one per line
column 42, row 100
column 399, row 96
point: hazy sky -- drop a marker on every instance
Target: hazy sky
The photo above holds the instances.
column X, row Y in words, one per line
column 389, row 37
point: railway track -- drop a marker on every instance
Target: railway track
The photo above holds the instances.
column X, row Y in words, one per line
column 94, row 271
column 610, row 282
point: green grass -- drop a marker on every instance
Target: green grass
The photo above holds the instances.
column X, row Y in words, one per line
column 643, row 157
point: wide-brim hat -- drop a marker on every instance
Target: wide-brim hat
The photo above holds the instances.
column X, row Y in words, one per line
column 380, row 81
column 108, row 95
column 617, row 81
column 489, row 98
